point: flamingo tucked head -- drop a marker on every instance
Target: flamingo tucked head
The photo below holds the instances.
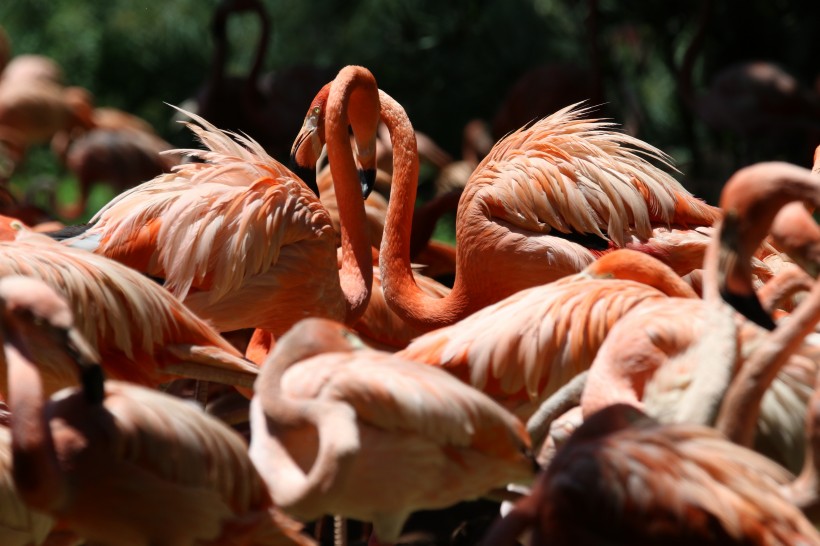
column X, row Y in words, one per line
column 307, row 147
column 37, row 318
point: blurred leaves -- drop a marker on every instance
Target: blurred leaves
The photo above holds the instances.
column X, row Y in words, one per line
column 446, row 62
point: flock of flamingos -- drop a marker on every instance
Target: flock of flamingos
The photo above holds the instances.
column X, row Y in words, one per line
column 220, row 357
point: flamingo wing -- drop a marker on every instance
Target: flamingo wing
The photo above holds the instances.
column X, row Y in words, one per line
column 572, row 175
column 126, row 317
column 397, row 395
column 526, row 346
column 686, row 480
column 209, row 226
column 147, row 450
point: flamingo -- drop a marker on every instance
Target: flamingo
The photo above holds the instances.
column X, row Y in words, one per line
column 523, row 348
column 240, row 239
column 118, row 463
column 266, row 107
column 119, row 148
column 532, row 208
column 19, row 525
column 622, row 478
column 758, row 101
column 652, row 345
column 367, row 435
column 143, row 333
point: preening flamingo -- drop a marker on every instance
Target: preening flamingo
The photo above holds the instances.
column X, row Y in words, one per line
column 118, row 463
column 240, row 239
column 531, row 211
column 650, row 360
column 141, row 331
column 622, row 478
column 365, row 434
column 653, row 344
column 523, row 348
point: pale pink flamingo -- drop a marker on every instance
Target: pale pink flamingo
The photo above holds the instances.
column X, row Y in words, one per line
column 523, row 348
column 652, row 345
column 337, row 429
column 115, row 462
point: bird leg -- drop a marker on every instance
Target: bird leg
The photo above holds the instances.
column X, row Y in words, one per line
column 339, row 531
column 564, row 399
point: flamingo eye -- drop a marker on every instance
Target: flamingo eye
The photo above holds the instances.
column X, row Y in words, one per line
column 317, row 110
column 16, row 225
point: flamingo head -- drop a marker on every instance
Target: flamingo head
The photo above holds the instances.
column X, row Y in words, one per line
column 35, row 319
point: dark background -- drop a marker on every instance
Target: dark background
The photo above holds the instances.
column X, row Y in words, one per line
column 446, row 62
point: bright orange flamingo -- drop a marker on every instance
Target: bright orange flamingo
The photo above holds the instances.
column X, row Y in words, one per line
column 117, row 463
column 523, row 348
column 142, row 332
column 364, row 434
column 240, row 239
column 543, row 204
column 622, row 478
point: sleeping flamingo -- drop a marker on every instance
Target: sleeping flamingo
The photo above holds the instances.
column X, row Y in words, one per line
column 115, row 462
column 364, row 434
column 543, row 204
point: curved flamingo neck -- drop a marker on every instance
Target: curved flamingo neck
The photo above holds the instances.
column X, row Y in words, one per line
column 219, row 34
column 685, row 83
column 353, row 100
column 751, row 199
column 334, row 422
column 261, row 49
column 36, row 471
column 741, row 406
column 400, row 289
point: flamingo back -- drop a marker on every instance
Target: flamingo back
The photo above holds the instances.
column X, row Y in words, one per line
column 144, row 451
column 523, row 348
column 127, row 318
column 568, row 174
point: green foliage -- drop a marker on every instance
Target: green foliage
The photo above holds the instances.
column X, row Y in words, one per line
column 446, row 62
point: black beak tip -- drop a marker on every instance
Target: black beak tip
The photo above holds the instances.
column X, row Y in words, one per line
column 749, row 306
column 367, row 177
column 306, row 174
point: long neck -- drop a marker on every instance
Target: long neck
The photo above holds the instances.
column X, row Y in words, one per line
column 400, row 288
column 335, row 423
column 685, row 83
column 351, row 91
column 36, row 471
column 219, row 30
column 741, row 407
column 261, row 49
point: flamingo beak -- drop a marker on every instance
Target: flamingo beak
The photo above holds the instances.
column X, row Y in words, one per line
column 743, row 299
column 307, row 148
column 366, row 157
column 91, row 373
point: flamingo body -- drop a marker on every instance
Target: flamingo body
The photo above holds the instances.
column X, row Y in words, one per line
column 375, row 414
